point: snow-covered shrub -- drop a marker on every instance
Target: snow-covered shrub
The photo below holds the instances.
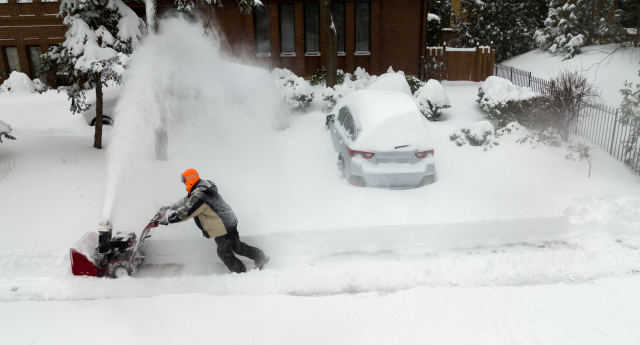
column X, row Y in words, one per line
column 40, row 87
column 572, row 24
column 5, row 129
column 545, row 136
column 18, row 82
column 333, row 95
column 431, row 98
column 320, row 77
column 630, row 116
column 506, row 102
column 479, row 133
column 414, row 84
column 294, row 90
column 361, row 78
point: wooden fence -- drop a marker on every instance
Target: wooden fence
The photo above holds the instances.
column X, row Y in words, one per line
column 473, row 64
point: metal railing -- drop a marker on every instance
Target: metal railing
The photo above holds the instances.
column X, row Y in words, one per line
column 597, row 123
column 521, row 78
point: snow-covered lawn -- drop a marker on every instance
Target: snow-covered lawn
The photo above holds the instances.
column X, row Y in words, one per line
column 511, row 245
column 609, row 72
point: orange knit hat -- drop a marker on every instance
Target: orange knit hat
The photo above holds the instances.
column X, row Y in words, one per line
column 189, row 178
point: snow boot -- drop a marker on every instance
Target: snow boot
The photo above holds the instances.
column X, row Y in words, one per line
column 261, row 261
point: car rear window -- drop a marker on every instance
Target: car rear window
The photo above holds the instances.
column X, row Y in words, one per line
column 348, row 124
column 342, row 114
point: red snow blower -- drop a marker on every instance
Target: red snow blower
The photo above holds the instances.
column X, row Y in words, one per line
column 103, row 255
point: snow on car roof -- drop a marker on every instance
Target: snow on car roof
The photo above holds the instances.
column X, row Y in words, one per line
column 372, row 107
column 387, row 119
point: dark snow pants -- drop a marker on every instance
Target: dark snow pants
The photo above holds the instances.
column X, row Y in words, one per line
column 229, row 244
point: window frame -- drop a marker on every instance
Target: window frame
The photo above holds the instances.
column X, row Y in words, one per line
column 32, row 69
column 255, row 31
column 280, row 6
column 355, row 24
column 6, row 60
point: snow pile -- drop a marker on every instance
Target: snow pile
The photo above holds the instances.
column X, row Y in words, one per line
column 623, row 210
column 335, row 94
column 361, row 79
column 4, row 127
column 294, row 90
column 391, row 81
column 431, row 97
column 18, row 82
column 479, row 133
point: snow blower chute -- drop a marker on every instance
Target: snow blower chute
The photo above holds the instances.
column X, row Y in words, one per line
column 102, row 254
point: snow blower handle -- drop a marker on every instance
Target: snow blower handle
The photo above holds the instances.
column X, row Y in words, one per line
column 156, row 219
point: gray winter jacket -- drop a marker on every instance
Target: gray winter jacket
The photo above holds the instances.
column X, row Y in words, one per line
column 212, row 215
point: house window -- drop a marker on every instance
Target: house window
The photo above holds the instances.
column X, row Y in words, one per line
column 11, row 59
column 35, row 63
column 312, row 28
column 337, row 15
column 363, row 23
column 287, row 38
column 262, row 33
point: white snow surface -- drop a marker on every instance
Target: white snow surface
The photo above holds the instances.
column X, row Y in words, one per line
column 4, row 127
column 391, row 81
column 607, row 71
column 511, row 245
column 17, row 82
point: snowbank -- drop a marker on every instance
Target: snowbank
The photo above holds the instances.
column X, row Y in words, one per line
column 18, row 82
column 616, row 209
column 4, row 127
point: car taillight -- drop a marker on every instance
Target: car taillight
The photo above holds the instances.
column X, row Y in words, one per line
column 366, row 155
column 424, row 154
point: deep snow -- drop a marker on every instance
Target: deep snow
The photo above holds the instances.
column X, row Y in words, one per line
column 512, row 244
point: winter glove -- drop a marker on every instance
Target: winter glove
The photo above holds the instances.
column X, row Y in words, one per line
column 164, row 221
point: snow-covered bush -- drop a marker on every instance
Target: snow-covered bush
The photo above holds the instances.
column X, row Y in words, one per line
column 481, row 133
column 320, row 77
column 18, row 82
column 335, row 94
column 431, row 98
column 5, row 129
column 414, row 84
column 506, row 102
column 294, row 90
column 362, row 79
column 571, row 24
column 630, row 116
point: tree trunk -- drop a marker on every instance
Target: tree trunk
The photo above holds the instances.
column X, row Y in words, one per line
column 151, row 7
column 97, row 139
column 332, row 42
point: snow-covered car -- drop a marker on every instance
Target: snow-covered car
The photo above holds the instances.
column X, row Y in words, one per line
column 382, row 140
column 109, row 100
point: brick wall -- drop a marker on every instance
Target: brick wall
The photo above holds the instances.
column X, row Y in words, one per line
column 395, row 33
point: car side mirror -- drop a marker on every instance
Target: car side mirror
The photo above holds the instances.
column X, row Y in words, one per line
column 330, row 118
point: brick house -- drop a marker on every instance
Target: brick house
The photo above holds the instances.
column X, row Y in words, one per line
column 284, row 33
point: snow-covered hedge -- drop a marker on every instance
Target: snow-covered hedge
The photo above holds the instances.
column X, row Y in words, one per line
column 481, row 133
column 294, row 90
column 506, row 102
column 431, row 98
column 335, row 94
column 20, row 82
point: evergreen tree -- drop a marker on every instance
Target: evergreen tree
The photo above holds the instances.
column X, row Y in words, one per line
column 629, row 17
column 572, row 24
column 101, row 34
column 434, row 30
column 442, row 9
column 509, row 24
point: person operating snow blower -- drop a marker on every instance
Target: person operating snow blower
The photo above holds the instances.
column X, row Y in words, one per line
column 216, row 220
